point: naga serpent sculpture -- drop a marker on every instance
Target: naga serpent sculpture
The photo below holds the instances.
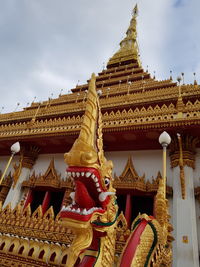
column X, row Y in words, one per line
column 92, row 216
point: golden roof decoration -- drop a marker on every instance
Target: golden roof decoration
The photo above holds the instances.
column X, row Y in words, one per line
column 129, row 179
column 50, row 179
column 129, row 173
column 128, row 46
column 20, row 228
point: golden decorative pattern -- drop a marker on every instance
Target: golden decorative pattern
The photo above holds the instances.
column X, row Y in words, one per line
column 87, row 151
column 17, row 170
column 188, row 149
column 49, row 179
column 129, row 179
column 152, row 93
column 128, row 46
column 139, row 118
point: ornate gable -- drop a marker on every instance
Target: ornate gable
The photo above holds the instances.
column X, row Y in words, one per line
column 129, row 173
column 49, row 179
column 129, row 179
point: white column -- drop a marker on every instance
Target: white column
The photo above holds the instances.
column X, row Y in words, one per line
column 15, row 194
column 185, row 246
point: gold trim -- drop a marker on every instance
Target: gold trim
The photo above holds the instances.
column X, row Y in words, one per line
column 129, row 179
column 188, row 150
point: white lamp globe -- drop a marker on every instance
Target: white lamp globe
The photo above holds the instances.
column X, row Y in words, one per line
column 164, row 139
column 15, row 148
column 99, row 92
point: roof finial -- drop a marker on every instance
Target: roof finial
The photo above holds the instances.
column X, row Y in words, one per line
column 171, row 75
column 128, row 46
column 195, row 81
column 135, row 11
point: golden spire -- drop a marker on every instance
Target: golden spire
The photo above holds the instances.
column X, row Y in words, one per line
column 128, row 46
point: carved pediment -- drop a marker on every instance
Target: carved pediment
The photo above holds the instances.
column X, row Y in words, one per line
column 49, row 179
column 129, row 173
column 129, row 179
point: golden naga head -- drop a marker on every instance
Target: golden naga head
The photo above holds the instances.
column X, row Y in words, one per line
column 87, row 150
column 87, row 166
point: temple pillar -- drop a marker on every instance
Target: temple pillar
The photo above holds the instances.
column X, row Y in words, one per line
column 128, row 210
column 185, row 246
column 28, row 157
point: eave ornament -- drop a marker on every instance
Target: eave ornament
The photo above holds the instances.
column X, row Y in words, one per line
column 49, row 179
column 129, row 179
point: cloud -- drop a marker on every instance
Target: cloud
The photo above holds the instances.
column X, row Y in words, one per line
column 46, row 45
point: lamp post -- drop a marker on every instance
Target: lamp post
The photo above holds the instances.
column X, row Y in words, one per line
column 15, row 148
column 164, row 140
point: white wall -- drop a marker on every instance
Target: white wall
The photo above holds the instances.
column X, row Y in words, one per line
column 43, row 161
column 147, row 162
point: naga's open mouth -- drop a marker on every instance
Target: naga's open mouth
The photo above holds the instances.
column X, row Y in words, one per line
column 89, row 195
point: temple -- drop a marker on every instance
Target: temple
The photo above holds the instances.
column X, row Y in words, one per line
column 136, row 109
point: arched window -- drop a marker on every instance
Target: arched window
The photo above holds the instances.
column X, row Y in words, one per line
column 2, row 246
column 11, row 248
column 31, row 252
column 41, row 254
column 21, row 250
column 53, row 255
column 64, row 260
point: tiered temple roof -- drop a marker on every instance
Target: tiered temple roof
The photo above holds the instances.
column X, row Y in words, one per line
column 132, row 102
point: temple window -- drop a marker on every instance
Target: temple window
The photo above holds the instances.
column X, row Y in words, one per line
column 64, row 260
column 41, row 255
column 52, row 258
column 38, row 197
column 134, row 194
column 31, row 252
column 2, row 246
column 11, row 248
column 56, row 201
column 46, row 190
column 133, row 204
column 21, row 250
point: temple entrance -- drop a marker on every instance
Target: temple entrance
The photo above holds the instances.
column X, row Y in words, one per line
column 141, row 204
column 47, row 199
column 132, row 205
column 56, row 201
column 38, row 197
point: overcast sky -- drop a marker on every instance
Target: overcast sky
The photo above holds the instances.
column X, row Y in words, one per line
column 48, row 45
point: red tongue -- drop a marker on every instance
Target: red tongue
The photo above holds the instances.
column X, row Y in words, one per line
column 82, row 197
